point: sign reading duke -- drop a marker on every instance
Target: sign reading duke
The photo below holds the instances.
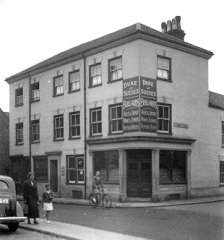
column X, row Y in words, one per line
column 131, row 104
column 148, row 109
column 139, row 104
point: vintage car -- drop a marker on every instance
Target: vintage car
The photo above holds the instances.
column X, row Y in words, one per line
column 11, row 212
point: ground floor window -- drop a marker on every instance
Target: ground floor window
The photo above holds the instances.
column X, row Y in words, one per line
column 221, row 172
column 107, row 162
column 172, row 167
column 41, row 169
column 75, row 169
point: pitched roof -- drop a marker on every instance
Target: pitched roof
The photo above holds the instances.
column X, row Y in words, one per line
column 138, row 28
column 216, row 100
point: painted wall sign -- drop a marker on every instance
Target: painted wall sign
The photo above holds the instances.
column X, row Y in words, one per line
column 148, row 111
column 139, row 104
column 131, row 104
column 180, row 125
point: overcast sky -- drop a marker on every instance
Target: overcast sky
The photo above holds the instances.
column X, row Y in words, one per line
column 34, row 30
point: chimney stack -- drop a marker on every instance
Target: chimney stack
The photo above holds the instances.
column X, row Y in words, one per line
column 173, row 28
column 164, row 27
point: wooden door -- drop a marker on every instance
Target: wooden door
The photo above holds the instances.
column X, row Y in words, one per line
column 54, row 175
column 139, row 173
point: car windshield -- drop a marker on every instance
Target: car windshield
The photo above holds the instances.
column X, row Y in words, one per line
column 3, row 185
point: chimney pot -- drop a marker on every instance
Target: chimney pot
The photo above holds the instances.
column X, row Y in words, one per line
column 169, row 25
column 164, row 27
column 174, row 24
column 178, row 18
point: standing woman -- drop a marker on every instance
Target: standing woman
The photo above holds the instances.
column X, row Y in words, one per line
column 30, row 197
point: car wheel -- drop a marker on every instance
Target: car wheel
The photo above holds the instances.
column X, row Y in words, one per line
column 13, row 226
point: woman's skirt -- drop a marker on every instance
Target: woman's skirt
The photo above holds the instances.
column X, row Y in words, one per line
column 48, row 206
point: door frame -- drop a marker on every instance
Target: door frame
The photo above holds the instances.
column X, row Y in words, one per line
column 56, row 158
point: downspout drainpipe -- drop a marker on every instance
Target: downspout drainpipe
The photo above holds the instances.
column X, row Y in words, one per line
column 29, row 117
column 85, row 144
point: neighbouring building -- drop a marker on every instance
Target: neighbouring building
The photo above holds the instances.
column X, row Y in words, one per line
column 4, row 143
column 133, row 104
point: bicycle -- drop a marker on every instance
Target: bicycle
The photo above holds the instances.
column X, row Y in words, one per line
column 99, row 197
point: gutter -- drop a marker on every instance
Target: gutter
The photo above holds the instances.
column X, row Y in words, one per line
column 85, row 143
column 30, row 130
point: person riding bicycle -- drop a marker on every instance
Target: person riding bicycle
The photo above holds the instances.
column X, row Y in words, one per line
column 97, row 184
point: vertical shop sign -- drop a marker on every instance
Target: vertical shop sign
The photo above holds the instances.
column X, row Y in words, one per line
column 148, row 108
column 131, row 104
column 139, row 104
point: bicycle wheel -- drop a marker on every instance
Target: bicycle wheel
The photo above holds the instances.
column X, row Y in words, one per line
column 107, row 202
column 91, row 199
column 94, row 199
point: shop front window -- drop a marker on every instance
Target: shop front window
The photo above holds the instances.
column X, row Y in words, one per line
column 172, row 167
column 107, row 162
column 41, row 169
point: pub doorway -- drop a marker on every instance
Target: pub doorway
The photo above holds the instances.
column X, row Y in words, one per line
column 139, row 173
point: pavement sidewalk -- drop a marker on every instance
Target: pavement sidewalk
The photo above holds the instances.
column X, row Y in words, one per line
column 75, row 232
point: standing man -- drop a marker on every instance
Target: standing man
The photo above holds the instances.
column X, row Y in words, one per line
column 30, row 197
column 97, row 187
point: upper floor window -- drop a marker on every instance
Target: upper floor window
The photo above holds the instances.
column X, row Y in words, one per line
column 35, row 91
column 221, row 167
column 164, row 118
column 75, row 169
column 74, row 81
column 35, row 126
column 96, row 121
column 116, row 121
column 115, row 69
column 19, row 96
column 164, row 68
column 222, row 133
column 58, row 85
column 95, row 75
column 59, row 127
column 74, row 124
column 19, row 133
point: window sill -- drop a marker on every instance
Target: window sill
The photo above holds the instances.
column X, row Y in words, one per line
column 19, row 105
column 19, row 144
column 73, row 91
column 92, row 86
column 115, row 133
column 68, row 183
column 111, row 183
column 173, row 183
column 58, row 140
column 58, row 95
column 36, row 142
column 74, row 138
column 164, row 79
column 164, row 133
column 35, row 100
column 116, row 80
column 97, row 135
